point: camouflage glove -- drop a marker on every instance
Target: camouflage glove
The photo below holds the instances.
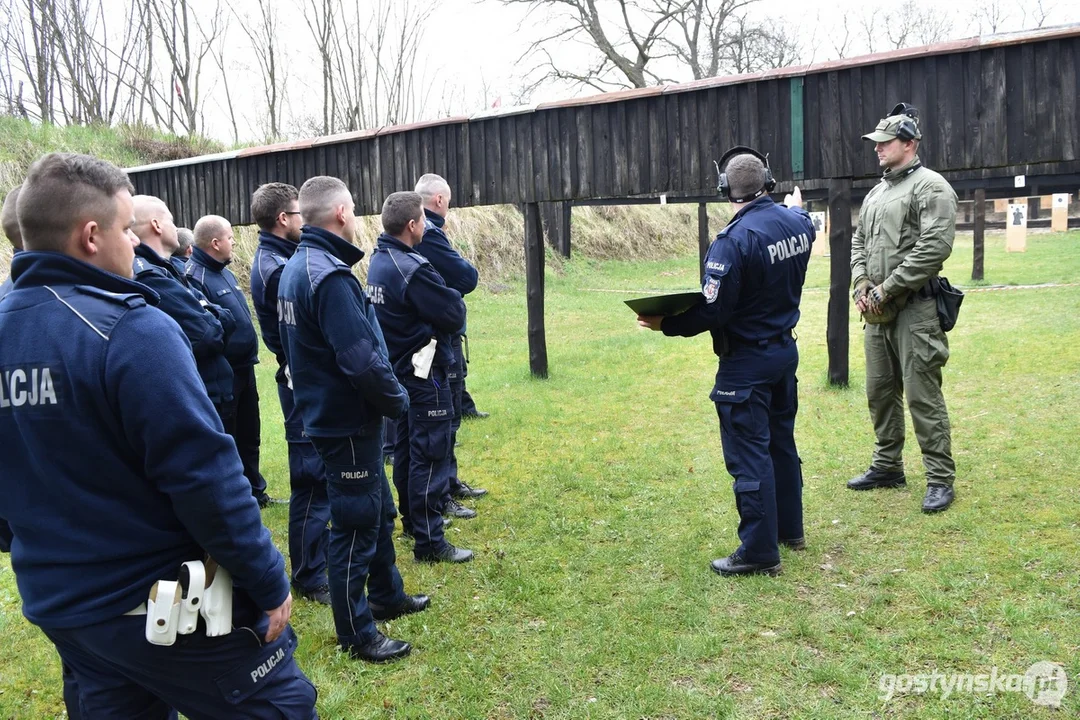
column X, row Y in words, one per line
column 862, row 286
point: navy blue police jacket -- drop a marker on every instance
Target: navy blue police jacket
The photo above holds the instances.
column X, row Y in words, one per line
column 414, row 304
column 271, row 254
column 180, row 263
column 206, row 326
column 218, row 284
column 342, row 380
column 754, row 273
column 121, row 470
column 456, row 271
column 5, row 287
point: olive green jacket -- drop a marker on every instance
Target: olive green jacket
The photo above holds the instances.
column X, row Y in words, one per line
column 906, row 230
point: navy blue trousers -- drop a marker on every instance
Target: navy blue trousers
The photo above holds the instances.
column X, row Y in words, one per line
column 309, row 504
column 362, row 514
column 756, row 396
column 422, row 458
column 241, row 419
column 456, row 377
column 119, row 675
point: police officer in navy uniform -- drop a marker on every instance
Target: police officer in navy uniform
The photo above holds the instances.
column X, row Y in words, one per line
column 123, row 472
column 9, row 222
column 459, row 274
column 208, row 272
column 753, row 280
column 418, row 314
column 275, row 209
column 343, row 385
column 182, row 255
column 206, row 325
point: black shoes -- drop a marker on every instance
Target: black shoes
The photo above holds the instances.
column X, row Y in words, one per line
column 266, row 501
column 380, row 650
column 734, row 564
column 476, row 415
column 874, row 478
column 455, row 509
column 411, row 604
column 449, row 554
column 465, row 490
column 937, row 498
column 795, row 543
column 319, row 595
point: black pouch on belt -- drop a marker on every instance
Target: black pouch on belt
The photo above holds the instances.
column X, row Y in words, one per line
column 949, row 300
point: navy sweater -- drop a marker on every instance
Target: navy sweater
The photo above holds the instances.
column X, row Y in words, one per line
column 116, row 467
column 342, row 380
column 206, row 326
column 217, row 283
column 413, row 304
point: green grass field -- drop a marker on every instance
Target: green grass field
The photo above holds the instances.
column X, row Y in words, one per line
column 591, row 595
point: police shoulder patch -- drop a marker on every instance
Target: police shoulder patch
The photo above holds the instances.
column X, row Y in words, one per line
column 711, row 288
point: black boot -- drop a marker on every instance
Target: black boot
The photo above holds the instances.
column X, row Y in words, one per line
column 448, row 553
column 795, row 543
column 734, row 564
column 319, row 595
column 454, row 509
column 465, row 490
column 874, row 478
column 411, row 604
column 380, row 650
column 937, row 498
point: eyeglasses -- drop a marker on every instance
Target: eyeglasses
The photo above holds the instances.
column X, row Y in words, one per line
column 290, row 212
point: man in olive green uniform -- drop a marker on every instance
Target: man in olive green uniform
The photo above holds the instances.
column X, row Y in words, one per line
column 905, row 233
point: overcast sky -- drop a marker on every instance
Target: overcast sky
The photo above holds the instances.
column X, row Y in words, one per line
column 472, row 47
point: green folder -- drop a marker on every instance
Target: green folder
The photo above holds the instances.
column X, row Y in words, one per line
column 665, row 304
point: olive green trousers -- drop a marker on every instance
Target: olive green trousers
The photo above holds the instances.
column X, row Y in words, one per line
column 905, row 357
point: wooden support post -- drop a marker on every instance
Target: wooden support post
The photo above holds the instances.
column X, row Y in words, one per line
column 836, row 333
column 1034, row 205
column 534, row 289
column 980, row 235
column 556, row 218
column 703, row 240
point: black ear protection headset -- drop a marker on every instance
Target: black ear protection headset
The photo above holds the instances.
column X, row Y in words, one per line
column 725, row 189
column 908, row 128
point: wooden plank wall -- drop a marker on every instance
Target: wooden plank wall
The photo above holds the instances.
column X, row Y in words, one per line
column 1001, row 107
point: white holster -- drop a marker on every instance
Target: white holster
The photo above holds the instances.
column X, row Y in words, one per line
column 174, row 606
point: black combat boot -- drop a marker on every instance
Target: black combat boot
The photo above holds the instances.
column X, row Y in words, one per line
column 937, row 498
column 874, row 478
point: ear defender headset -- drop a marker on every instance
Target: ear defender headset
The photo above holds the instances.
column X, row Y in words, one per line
column 909, row 127
column 725, row 189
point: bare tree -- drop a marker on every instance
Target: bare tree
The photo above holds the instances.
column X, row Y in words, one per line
column 262, row 31
column 187, row 41
column 97, row 63
column 37, row 57
column 319, row 16
column 627, row 36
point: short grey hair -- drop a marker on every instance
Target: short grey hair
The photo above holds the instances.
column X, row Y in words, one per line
column 148, row 208
column 430, row 185
column 319, row 196
column 398, row 209
column 186, row 238
column 209, row 227
column 746, row 175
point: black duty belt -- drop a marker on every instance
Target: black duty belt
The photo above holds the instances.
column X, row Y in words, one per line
column 736, row 340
